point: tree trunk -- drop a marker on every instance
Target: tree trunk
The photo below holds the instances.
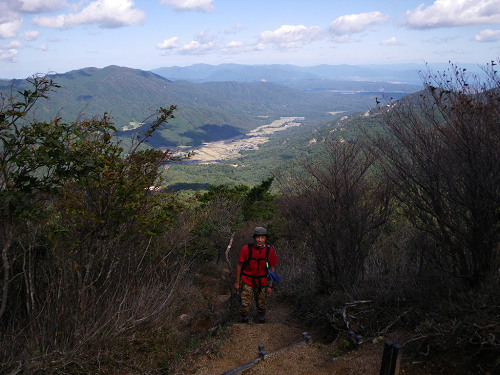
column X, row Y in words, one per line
column 6, row 270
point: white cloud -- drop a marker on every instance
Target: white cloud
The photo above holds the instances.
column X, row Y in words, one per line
column 391, row 42
column 194, row 45
column 341, row 38
column 285, row 36
column 11, row 11
column 234, row 44
column 9, row 51
column 449, row 13
column 356, row 23
column 185, row 5
column 234, row 29
column 8, row 55
column 8, row 10
column 41, row 6
column 13, row 44
column 104, row 13
column 441, row 40
column 203, row 44
column 168, row 43
column 206, row 43
column 488, row 35
column 43, row 47
column 9, row 29
column 259, row 47
column 30, row 35
column 205, row 38
column 289, row 35
column 235, row 47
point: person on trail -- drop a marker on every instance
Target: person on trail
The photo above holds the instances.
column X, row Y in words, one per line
column 252, row 274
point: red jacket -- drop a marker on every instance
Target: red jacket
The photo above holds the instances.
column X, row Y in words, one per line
column 257, row 265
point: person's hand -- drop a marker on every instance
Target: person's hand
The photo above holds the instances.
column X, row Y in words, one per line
column 269, row 291
column 237, row 286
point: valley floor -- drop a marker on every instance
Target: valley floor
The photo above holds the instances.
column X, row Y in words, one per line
column 212, row 152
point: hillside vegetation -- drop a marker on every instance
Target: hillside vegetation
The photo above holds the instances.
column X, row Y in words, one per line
column 388, row 222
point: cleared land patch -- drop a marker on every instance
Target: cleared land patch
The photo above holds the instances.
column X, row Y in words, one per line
column 212, row 152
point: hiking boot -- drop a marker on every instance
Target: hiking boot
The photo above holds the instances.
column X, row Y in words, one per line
column 245, row 319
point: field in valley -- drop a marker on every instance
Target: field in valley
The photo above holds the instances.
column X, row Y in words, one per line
column 211, row 152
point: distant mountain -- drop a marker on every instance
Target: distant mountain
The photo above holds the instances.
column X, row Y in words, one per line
column 235, row 72
column 212, row 110
column 318, row 77
column 285, row 74
column 126, row 94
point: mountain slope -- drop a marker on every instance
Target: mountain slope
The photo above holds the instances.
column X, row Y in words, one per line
column 129, row 96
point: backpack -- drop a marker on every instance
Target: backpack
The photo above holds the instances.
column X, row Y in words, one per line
column 256, row 277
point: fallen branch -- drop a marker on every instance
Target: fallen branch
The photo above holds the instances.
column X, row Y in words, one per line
column 393, row 322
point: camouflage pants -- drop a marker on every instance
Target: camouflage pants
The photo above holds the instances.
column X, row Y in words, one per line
column 247, row 294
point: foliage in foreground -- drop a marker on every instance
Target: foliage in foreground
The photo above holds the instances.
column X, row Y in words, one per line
column 442, row 155
column 81, row 227
column 431, row 267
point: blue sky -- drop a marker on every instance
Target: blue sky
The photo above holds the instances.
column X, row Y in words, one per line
column 42, row 36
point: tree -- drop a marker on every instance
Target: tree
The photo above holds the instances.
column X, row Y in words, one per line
column 36, row 158
column 441, row 148
column 78, row 217
column 224, row 210
column 259, row 202
column 340, row 207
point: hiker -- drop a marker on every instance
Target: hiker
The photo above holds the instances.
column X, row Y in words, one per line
column 252, row 272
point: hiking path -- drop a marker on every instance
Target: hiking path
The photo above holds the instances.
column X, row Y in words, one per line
column 287, row 352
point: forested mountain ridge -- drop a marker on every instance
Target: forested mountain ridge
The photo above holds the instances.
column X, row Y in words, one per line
column 129, row 96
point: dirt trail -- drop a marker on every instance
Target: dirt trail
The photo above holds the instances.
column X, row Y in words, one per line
column 242, row 346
